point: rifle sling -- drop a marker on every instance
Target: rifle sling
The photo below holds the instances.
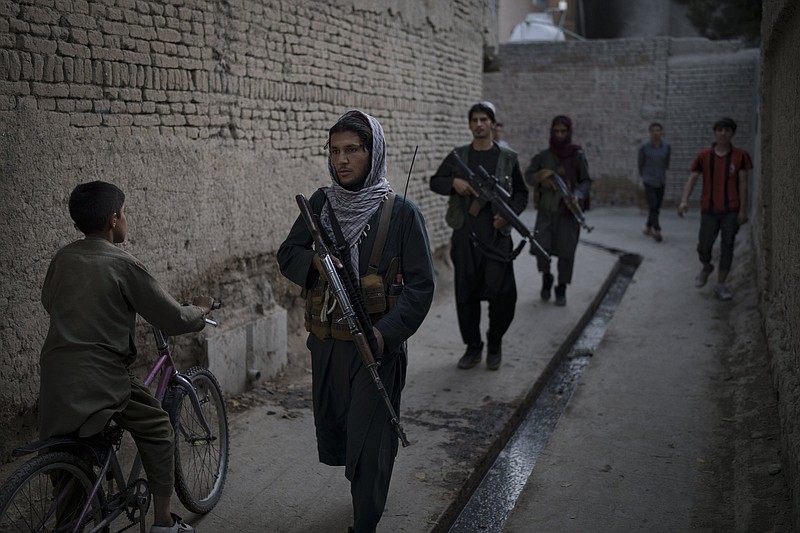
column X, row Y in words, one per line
column 383, row 231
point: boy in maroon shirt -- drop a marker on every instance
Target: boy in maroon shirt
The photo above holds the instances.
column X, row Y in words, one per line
column 723, row 202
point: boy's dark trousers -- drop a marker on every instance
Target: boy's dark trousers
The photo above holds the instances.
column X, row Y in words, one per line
column 727, row 225
column 150, row 428
column 655, row 196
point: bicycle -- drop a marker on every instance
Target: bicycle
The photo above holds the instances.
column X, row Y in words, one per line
column 78, row 484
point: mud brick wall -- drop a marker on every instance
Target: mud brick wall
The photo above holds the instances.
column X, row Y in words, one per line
column 778, row 224
column 211, row 115
column 613, row 90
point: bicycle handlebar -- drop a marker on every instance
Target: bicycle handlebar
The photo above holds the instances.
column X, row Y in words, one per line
column 216, row 305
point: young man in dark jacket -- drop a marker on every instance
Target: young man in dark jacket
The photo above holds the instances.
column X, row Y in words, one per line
column 481, row 243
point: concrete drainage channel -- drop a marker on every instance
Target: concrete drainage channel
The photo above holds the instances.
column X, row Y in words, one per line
column 494, row 498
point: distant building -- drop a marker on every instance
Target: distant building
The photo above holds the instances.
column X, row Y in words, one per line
column 557, row 20
column 536, row 27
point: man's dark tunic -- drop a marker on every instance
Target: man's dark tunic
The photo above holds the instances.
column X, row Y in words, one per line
column 353, row 424
column 478, row 276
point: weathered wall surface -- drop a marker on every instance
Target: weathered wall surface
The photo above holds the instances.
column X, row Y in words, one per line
column 613, row 90
column 210, row 115
column 779, row 224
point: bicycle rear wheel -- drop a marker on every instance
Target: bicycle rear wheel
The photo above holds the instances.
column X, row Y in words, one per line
column 201, row 460
column 47, row 494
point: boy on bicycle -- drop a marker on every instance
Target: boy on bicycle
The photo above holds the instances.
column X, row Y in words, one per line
column 92, row 292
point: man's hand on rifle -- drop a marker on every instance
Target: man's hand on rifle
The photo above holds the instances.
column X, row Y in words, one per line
column 462, row 187
column 498, row 222
column 316, row 262
column 545, row 178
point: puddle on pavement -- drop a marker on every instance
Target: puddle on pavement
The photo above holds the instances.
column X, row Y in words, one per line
column 489, row 506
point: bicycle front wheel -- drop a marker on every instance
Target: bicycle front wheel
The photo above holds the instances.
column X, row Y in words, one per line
column 201, row 459
column 48, row 493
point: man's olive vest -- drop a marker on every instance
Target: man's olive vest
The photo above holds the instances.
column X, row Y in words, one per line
column 458, row 205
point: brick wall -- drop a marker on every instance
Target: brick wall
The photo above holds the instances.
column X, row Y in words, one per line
column 777, row 222
column 613, row 90
column 211, row 115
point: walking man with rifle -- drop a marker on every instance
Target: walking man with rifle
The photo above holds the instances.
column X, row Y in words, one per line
column 481, row 246
column 560, row 209
column 368, row 283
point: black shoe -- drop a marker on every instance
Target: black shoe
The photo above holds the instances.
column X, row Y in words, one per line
column 494, row 354
column 561, row 295
column 471, row 357
column 547, row 284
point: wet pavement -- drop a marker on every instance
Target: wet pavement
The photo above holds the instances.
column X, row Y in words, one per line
column 624, row 455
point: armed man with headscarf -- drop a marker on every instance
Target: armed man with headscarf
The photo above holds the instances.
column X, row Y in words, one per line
column 389, row 257
column 557, row 229
column 481, row 245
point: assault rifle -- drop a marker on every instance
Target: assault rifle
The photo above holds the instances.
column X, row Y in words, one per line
column 566, row 195
column 489, row 190
column 348, row 311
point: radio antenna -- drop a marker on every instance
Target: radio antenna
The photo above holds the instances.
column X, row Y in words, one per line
column 397, row 285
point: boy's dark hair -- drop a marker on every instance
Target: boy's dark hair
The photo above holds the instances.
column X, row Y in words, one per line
column 91, row 204
column 655, row 125
column 725, row 123
column 482, row 107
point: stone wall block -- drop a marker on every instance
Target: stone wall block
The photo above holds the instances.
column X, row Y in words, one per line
column 77, row 69
column 54, row 90
column 58, row 69
column 37, row 45
column 27, row 66
column 97, row 72
column 146, row 120
column 168, row 35
column 114, row 28
column 142, row 32
column 116, row 120
column 39, row 15
column 65, row 105
column 83, row 120
column 77, row 20
column 19, row 26
column 155, row 95
column 7, row 102
column 14, row 65
column 85, row 91
column 5, row 64
column 130, row 94
column 38, row 67
column 74, row 50
column 20, row 88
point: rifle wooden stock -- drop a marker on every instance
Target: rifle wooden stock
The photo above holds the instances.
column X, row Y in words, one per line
column 489, row 190
column 348, row 312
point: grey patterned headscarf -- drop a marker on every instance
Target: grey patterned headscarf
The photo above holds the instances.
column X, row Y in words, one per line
column 354, row 208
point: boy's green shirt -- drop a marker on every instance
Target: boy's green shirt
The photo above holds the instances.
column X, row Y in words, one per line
column 92, row 292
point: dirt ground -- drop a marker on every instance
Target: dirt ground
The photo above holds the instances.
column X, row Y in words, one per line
column 745, row 475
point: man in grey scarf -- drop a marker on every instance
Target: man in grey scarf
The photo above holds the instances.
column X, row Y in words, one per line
column 353, row 424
